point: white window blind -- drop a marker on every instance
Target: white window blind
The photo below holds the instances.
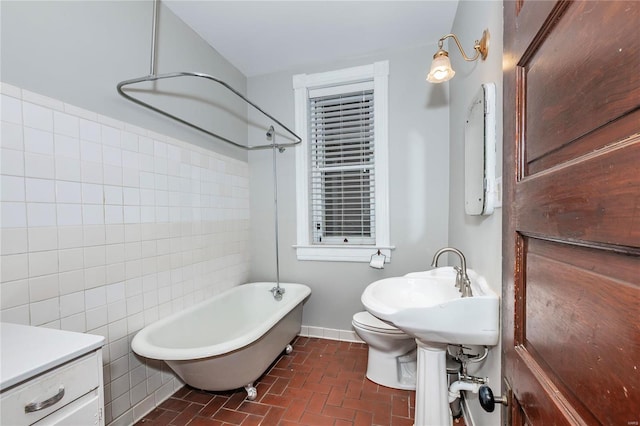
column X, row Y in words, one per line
column 342, row 168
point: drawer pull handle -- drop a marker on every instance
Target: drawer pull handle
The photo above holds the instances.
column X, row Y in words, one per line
column 37, row 406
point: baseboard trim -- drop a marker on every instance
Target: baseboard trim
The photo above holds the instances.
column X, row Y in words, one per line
column 330, row 334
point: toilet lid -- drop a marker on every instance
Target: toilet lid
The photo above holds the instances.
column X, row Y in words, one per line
column 368, row 321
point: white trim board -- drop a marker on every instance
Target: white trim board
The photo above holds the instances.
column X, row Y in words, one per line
column 330, row 334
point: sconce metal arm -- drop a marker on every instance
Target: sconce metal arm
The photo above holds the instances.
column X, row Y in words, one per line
column 481, row 47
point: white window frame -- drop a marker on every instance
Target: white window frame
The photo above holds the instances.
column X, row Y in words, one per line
column 302, row 83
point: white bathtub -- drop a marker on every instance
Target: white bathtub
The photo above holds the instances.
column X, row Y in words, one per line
column 228, row 341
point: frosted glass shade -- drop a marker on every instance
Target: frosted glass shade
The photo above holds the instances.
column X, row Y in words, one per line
column 441, row 70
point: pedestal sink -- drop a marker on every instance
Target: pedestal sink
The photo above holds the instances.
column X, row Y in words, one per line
column 428, row 306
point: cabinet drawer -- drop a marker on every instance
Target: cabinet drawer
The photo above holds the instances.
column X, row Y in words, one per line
column 50, row 391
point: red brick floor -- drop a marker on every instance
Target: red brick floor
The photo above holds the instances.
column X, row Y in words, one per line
column 322, row 382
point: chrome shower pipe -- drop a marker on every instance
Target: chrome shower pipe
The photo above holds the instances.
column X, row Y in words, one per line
column 277, row 290
column 154, row 25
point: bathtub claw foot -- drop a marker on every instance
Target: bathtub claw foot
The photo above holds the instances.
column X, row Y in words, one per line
column 288, row 349
column 252, row 392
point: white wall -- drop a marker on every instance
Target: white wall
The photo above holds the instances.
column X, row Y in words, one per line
column 111, row 215
column 419, row 159
column 479, row 237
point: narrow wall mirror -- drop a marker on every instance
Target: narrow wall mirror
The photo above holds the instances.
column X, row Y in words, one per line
column 480, row 152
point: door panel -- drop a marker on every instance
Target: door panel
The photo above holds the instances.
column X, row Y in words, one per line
column 573, row 74
column 571, row 236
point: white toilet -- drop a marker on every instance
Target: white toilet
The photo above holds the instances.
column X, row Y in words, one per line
column 392, row 353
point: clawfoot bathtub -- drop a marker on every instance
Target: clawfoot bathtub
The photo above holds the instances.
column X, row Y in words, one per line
column 228, row 341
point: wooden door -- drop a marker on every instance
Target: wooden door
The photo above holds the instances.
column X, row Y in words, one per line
column 571, row 237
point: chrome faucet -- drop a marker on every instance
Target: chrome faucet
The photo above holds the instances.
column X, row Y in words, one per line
column 462, row 279
column 277, row 292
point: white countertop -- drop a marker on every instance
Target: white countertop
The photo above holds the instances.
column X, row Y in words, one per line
column 27, row 351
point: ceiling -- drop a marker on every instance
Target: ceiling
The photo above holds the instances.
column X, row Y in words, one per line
column 260, row 37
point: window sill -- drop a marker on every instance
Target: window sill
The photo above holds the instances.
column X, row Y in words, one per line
column 336, row 253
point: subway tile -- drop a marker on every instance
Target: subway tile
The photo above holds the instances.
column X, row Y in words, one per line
column 130, row 160
column 71, row 282
column 41, row 214
column 114, row 233
column 147, row 180
column 11, row 136
column 95, row 297
column 90, row 151
column 119, row 406
column 44, row 311
column 37, row 116
column 94, row 235
column 113, row 195
column 42, row 239
column 112, row 175
column 14, row 267
column 66, row 146
column 43, row 287
column 40, row 190
column 68, row 192
column 65, row 124
column 17, row 315
column 12, row 189
column 75, row 323
column 147, row 197
column 130, row 177
column 118, row 348
column 129, row 141
column 69, row 214
column 131, row 196
column 135, row 322
column 70, row 237
column 71, row 304
column 117, row 311
column 89, row 130
column 92, row 215
column 113, row 215
column 112, row 155
column 95, row 277
column 13, row 241
column 43, row 263
column 11, row 109
column 91, row 172
column 68, row 169
column 96, row 318
column 38, row 141
column 115, row 273
column 145, row 145
column 14, row 293
column 92, row 193
column 94, row 256
column 131, row 214
column 111, row 136
column 118, row 329
column 39, row 165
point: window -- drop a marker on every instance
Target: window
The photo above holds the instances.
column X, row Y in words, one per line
column 341, row 166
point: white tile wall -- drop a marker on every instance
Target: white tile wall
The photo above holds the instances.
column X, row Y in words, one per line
column 106, row 227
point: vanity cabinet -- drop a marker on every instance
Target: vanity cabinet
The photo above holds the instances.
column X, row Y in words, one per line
column 59, row 384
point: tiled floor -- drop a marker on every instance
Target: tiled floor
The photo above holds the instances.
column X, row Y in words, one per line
column 322, row 382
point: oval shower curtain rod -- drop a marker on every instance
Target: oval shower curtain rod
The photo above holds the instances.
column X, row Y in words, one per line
column 154, row 77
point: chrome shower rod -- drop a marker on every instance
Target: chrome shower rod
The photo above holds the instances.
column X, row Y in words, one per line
column 125, row 83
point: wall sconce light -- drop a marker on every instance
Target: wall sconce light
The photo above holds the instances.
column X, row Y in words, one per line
column 441, row 70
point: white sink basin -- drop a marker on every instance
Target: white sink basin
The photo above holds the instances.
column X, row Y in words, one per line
column 428, row 306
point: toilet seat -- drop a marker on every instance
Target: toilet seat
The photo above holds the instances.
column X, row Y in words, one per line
column 367, row 321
